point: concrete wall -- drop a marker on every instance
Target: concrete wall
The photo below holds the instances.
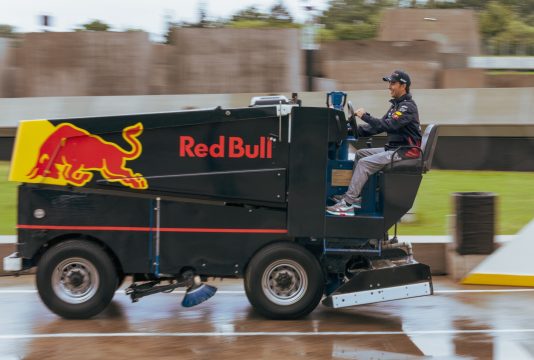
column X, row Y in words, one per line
column 83, row 63
column 461, row 78
column 235, row 60
column 110, row 63
column 456, row 31
column 506, row 107
column 507, row 81
column 6, row 70
column 359, row 65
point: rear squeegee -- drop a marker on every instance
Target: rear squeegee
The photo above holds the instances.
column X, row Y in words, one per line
column 384, row 284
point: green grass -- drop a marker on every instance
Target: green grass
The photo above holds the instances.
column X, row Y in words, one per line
column 8, row 201
column 508, row 72
column 515, row 201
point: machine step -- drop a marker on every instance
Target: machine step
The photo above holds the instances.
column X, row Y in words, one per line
column 385, row 284
column 378, row 295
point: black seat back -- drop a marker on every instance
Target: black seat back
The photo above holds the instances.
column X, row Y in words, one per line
column 420, row 164
column 428, row 145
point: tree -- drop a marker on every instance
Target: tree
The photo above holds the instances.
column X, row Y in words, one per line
column 7, row 31
column 520, row 7
column 251, row 17
column 279, row 13
column 250, row 13
column 495, row 19
column 95, row 25
column 471, row 4
column 518, row 38
column 353, row 19
column 507, row 26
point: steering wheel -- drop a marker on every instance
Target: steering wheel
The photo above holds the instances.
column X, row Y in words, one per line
column 352, row 117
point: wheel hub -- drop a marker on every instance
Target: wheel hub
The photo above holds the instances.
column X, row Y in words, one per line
column 75, row 280
column 284, row 282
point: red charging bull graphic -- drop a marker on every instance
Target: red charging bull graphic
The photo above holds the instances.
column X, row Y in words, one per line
column 72, row 154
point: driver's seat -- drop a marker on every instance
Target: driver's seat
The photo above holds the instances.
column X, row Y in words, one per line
column 423, row 163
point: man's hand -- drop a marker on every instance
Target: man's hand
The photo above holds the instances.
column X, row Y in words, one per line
column 360, row 112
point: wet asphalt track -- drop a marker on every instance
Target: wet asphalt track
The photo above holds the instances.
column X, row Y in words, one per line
column 458, row 322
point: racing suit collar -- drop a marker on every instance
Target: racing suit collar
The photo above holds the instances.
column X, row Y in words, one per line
column 404, row 97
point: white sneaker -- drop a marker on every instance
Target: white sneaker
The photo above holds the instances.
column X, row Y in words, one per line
column 341, row 209
column 338, row 198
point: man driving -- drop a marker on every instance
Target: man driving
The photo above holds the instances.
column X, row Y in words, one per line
column 401, row 123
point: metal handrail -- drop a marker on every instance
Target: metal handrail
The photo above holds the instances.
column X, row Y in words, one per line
column 407, row 147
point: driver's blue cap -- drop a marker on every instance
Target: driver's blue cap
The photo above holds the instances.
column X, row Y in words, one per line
column 398, row 76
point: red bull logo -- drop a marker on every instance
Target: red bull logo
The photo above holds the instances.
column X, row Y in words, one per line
column 73, row 154
column 231, row 146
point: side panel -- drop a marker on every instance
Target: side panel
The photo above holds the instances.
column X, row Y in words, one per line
column 227, row 159
column 123, row 223
column 312, row 129
column 211, row 237
column 215, row 239
column 233, row 154
column 370, row 227
column 400, row 190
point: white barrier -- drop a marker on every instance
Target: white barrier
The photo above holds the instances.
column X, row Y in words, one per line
column 456, row 106
column 510, row 265
column 8, row 239
column 501, row 62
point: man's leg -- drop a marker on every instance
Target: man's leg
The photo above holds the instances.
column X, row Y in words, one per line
column 358, row 155
column 365, row 167
column 361, row 153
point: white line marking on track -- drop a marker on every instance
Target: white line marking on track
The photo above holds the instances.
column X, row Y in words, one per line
column 241, row 292
column 254, row 333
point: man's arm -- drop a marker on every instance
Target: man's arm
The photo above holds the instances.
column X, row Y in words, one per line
column 366, row 130
column 400, row 118
column 373, row 126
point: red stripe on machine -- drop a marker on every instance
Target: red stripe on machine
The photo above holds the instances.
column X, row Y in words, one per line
column 146, row 229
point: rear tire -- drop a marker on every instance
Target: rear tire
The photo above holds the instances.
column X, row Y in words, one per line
column 76, row 279
column 284, row 281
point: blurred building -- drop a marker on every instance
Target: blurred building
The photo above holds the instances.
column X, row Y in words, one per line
column 454, row 30
column 436, row 46
column 234, row 61
column 111, row 63
column 360, row 65
column 80, row 63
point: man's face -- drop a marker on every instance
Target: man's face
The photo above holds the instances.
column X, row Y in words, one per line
column 396, row 89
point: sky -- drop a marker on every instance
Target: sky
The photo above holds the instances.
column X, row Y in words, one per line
column 148, row 15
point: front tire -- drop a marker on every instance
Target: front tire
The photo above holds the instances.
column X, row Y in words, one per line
column 284, row 281
column 76, row 279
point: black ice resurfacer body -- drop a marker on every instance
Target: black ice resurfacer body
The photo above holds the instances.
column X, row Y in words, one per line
column 170, row 199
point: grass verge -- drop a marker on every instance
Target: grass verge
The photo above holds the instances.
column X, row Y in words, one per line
column 8, row 201
column 514, row 205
